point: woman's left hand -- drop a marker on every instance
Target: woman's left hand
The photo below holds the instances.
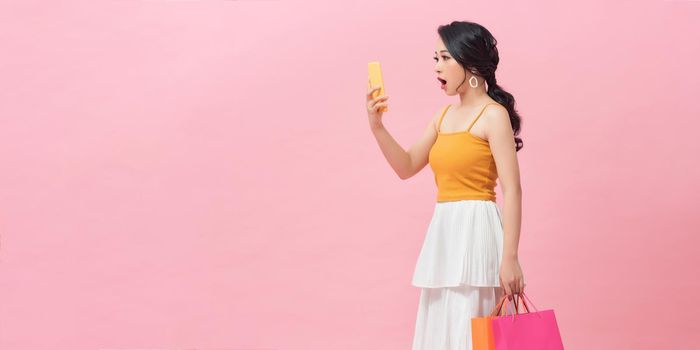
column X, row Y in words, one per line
column 511, row 276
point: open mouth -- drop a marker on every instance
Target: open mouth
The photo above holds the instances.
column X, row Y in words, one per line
column 443, row 81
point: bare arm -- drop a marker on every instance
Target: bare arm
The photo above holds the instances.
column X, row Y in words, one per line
column 407, row 163
column 502, row 143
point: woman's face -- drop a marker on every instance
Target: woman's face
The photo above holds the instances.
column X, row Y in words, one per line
column 448, row 70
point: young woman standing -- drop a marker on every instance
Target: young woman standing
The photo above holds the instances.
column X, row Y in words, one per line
column 469, row 256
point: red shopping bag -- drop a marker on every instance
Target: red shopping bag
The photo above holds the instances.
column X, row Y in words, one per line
column 526, row 331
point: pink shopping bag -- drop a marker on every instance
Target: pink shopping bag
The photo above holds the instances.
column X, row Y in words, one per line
column 526, row 331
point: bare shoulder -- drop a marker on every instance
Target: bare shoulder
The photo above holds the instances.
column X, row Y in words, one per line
column 497, row 116
column 498, row 124
column 495, row 111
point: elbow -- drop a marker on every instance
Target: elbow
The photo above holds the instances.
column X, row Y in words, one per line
column 514, row 190
column 408, row 170
column 405, row 175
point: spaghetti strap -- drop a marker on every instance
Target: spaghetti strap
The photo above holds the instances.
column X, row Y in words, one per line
column 477, row 117
column 439, row 124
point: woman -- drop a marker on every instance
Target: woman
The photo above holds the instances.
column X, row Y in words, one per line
column 469, row 257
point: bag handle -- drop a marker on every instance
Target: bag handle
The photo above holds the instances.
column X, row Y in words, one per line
column 497, row 309
column 499, row 306
column 518, row 296
column 530, row 301
column 514, row 302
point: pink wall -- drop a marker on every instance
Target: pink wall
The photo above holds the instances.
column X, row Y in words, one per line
column 201, row 173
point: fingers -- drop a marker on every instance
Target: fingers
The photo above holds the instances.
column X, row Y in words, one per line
column 370, row 91
column 514, row 287
column 508, row 291
column 375, row 102
column 378, row 106
column 518, row 286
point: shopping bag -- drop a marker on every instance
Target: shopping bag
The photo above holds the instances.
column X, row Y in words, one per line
column 526, row 331
column 482, row 330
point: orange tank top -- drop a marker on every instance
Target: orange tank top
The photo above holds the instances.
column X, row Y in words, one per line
column 463, row 165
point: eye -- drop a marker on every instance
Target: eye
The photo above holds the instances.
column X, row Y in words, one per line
column 444, row 57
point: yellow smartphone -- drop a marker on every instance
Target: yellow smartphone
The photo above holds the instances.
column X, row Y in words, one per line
column 375, row 79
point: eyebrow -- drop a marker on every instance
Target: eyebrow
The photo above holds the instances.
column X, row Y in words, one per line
column 442, row 51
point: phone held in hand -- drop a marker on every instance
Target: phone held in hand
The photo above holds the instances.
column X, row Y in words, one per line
column 375, row 79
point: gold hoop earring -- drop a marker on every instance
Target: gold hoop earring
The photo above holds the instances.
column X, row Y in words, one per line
column 476, row 82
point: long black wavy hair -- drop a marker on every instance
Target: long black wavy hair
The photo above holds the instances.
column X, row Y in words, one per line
column 474, row 48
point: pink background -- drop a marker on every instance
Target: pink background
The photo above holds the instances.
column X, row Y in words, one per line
column 200, row 174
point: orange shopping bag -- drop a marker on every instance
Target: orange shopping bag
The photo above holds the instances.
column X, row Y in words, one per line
column 482, row 331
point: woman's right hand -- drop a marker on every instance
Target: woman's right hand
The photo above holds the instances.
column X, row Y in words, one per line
column 374, row 107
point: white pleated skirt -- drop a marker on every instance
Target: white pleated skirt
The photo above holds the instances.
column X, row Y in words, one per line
column 463, row 245
column 457, row 271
